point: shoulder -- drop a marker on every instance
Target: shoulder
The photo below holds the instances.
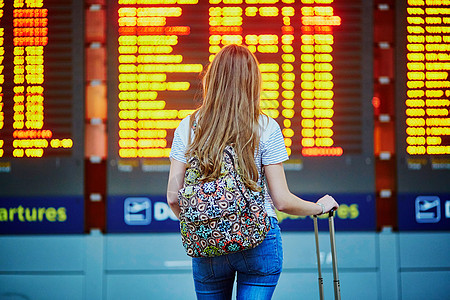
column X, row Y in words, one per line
column 182, row 131
column 268, row 126
column 272, row 145
column 267, row 123
column 180, row 140
column 183, row 128
column 184, row 124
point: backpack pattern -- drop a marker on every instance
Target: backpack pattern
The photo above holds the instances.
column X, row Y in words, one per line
column 221, row 216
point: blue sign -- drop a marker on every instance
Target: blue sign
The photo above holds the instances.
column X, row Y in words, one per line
column 137, row 211
column 37, row 215
column 356, row 213
column 424, row 212
column 140, row 214
column 150, row 213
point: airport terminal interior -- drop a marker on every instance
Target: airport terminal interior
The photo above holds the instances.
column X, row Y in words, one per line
column 91, row 92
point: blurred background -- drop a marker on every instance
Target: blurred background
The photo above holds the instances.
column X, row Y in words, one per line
column 91, row 92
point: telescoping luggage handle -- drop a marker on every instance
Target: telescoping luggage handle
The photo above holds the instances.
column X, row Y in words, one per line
column 337, row 288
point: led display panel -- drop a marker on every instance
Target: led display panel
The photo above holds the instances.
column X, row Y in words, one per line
column 423, row 121
column 316, row 62
column 41, row 116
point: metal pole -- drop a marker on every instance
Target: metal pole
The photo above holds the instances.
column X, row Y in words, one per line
column 316, row 234
column 337, row 288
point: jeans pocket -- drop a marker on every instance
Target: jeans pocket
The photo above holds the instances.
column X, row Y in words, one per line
column 202, row 269
column 266, row 258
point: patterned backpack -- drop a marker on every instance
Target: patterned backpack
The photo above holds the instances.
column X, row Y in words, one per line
column 221, row 216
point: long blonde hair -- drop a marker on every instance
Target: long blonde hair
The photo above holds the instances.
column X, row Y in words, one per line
column 229, row 114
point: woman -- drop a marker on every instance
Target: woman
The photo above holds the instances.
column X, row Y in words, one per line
column 230, row 115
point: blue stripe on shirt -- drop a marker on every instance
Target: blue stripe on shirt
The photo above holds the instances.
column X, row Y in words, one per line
column 178, row 148
column 274, row 150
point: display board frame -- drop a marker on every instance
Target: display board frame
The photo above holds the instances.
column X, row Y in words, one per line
column 45, row 195
column 350, row 177
column 423, row 180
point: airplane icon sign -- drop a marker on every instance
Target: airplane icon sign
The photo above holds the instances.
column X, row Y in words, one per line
column 137, row 211
column 428, row 209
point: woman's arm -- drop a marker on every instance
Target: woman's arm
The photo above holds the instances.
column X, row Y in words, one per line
column 287, row 202
column 176, row 179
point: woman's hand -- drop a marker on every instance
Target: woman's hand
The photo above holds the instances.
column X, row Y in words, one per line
column 328, row 202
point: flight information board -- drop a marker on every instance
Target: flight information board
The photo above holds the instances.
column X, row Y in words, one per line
column 423, row 121
column 41, row 116
column 316, row 63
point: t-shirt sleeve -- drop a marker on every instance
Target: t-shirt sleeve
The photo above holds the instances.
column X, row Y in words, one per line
column 274, row 150
column 178, row 148
column 179, row 142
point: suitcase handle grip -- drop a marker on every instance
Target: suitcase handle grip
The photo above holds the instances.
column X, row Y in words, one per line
column 331, row 212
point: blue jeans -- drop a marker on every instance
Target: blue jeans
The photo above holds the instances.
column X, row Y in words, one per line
column 258, row 270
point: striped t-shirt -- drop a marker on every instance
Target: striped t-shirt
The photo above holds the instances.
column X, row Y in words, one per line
column 271, row 149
